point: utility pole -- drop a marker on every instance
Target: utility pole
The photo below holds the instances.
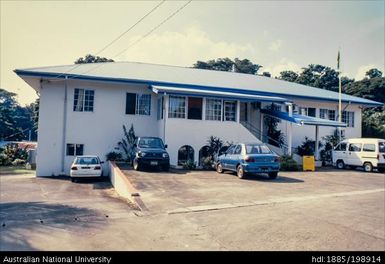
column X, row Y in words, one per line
column 339, row 96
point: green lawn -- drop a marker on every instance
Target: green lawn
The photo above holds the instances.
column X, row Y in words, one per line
column 15, row 170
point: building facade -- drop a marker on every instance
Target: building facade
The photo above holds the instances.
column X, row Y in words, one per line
column 83, row 113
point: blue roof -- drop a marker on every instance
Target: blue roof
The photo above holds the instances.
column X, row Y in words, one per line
column 174, row 76
column 303, row 120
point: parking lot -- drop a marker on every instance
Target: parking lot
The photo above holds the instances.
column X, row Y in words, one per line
column 197, row 210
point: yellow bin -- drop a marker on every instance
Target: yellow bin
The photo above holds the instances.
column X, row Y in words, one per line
column 308, row 163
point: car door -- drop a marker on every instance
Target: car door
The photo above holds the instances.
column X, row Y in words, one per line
column 235, row 157
column 354, row 153
column 225, row 158
column 340, row 152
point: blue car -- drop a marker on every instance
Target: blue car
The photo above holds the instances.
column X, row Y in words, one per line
column 245, row 158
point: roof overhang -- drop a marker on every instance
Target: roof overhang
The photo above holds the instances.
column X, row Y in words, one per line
column 303, row 120
column 218, row 94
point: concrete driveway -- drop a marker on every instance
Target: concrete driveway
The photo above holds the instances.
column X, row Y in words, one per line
column 328, row 210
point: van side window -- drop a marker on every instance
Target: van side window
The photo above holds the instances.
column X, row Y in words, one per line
column 381, row 147
column 369, row 148
column 341, row 147
column 355, row 147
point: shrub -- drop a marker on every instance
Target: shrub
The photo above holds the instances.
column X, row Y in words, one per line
column 189, row 165
column 114, row 156
column 288, row 163
column 307, row 148
column 207, row 162
column 10, row 153
column 18, row 162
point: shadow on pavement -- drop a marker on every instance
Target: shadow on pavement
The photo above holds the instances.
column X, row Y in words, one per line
column 279, row 179
column 20, row 221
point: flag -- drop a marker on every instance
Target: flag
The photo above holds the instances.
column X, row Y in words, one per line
column 338, row 60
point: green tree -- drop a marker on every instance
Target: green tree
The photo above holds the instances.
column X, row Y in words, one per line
column 226, row 64
column 92, row 59
column 319, row 76
column 8, row 125
column 373, row 73
column 289, row 76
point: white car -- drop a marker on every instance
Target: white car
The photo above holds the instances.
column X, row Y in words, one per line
column 368, row 153
column 86, row 166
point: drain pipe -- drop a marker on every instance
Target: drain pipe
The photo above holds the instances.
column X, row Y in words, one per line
column 64, row 127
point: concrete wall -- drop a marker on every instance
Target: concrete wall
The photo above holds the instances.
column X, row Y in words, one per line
column 99, row 131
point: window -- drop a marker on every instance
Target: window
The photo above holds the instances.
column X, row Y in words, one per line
column 130, row 103
column 139, row 104
column 257, row 149
column 348, row 118
column 369, row 147
column 160, row 109
column 355, row 147
column 381, row 147
column 341, row 147
column 307, row 111
column 213, row 109
column 230, row 150
column 230, row 110
column 75, row 149
column 83, row 100
column 327, row 114
column 177, row 107
column 185, row 154
column 238, row 150
column 143, row 104
column 194, row 108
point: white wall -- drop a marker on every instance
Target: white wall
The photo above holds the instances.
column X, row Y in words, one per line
column 195, row 133
column 49, row 147
column 99, row 131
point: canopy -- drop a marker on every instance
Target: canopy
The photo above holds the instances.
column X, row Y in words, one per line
column 303, row 120
column 211, row 93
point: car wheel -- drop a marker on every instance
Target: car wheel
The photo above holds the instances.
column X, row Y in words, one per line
column 136, row 165
column 219, row 168
column 340, row 165
column 368, row 167
column 240, row 172
column 273, row 175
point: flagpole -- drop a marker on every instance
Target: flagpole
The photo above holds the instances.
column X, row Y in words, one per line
column 339, row 96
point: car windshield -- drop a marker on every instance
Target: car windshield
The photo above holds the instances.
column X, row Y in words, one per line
column 87, row 160
column 257, row 149
column 381, row 147
column 150, row 143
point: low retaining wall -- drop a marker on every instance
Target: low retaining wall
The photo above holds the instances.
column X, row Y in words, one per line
column 121, row 183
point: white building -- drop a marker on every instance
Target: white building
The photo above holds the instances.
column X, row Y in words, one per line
column 83, row 108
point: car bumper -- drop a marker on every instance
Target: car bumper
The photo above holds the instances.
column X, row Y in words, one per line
column 86, row 174
column 251, row 168
column 154, row 162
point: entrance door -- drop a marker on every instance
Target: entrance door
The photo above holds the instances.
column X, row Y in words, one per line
column 244, row 112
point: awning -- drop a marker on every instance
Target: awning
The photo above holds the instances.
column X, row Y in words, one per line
column 303, row 120
column 212, row 93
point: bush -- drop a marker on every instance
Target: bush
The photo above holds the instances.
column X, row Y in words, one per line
column 18, row 162
column 288, row 163
column 189, row 165
column 10, row 153
column 307, row 148
column 207, row 162
column 114, row 156
column 5, row 160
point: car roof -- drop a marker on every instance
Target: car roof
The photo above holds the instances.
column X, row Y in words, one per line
column 363, row 140
column 87, row 156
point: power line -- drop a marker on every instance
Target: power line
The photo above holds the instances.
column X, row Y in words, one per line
column 144, row 36
column 153, row 29
column 116, row 39
column 121, row 35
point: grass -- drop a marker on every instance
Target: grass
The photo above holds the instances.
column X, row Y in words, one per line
column 11, row 170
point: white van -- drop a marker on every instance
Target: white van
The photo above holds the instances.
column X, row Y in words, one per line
column 368, row 153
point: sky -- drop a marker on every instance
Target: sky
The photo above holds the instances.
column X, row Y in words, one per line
column 279, row 35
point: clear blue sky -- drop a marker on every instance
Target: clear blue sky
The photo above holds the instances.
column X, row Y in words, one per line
column 280, row 35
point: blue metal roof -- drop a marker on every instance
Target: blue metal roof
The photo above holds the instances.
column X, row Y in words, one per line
column 218, row 94
column 173, row 76
column 303, row 120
